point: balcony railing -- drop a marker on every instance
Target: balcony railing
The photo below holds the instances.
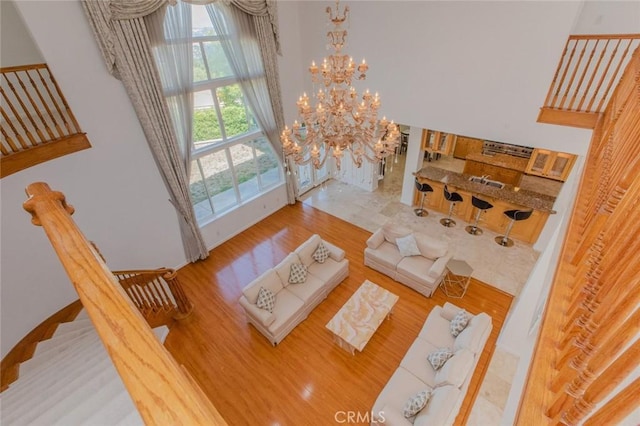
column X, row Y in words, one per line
column 37, row 124
column 590, row 67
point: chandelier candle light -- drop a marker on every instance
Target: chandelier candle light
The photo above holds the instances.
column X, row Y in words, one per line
column 339, row 122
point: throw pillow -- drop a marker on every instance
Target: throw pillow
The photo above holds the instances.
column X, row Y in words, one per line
column 266, row 299
column 459, row 322
column 439, row 357
column 407, row 246
column 297, row 274
column 321, row 254
column 416, row 403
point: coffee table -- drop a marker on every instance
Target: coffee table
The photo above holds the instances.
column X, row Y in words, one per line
column 354, row 324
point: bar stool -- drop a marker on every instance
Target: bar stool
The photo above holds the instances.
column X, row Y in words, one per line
column 452, row 198
column 514, row 215
column 482, row 207
column 423, row 188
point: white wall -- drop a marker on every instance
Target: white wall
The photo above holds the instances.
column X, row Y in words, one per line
column 19, row 49
column 120, row 200
column 608, row 17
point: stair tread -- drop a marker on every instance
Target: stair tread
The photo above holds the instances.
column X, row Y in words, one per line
column 94, row 393
column 77, row 324
column 59, row 365
column 41, row 361
column 110, row 413
column 35, row 399
column 58, row 340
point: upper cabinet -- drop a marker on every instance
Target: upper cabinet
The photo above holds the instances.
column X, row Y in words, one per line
column 550, row 164
column 466, row 146
column 436, row 142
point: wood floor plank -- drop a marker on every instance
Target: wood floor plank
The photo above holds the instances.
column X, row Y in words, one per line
column 307, row 379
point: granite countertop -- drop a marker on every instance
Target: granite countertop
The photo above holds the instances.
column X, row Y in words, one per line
column 500, row 160
column 530, row 199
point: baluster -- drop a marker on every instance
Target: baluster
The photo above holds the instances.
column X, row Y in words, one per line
column 614, row 76
column 24, row 108
column 603, row 75
column 46, row 84
column 602, row 386
column 617, row 408
column 584, row 73
column 573, row 75
column 36, row 108
column 593, row 75
column 15, row 113
column 46, row 107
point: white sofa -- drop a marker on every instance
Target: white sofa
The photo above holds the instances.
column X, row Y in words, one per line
column 449, row 384
column 294, row 302
column 423, row 272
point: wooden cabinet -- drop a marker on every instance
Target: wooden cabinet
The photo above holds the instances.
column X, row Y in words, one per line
column 550, row 164
column 466, row 145
column 437, row 142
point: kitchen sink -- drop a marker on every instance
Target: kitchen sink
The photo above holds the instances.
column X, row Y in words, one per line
column 484, row 181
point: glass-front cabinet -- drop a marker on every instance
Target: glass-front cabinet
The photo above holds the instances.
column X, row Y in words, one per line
column 550, row 164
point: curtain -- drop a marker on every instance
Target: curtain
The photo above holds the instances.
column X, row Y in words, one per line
column 247, row 22
column 121, row 28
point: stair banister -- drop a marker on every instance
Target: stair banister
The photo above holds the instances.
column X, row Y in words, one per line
column 161, row 390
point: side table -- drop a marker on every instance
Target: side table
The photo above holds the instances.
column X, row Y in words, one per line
column 456, row 281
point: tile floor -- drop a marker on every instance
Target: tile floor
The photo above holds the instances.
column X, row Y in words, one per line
column 504, row 268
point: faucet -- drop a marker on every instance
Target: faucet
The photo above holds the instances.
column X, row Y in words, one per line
column 484, row 178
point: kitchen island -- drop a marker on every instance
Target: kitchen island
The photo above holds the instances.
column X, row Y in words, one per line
column 507, row 198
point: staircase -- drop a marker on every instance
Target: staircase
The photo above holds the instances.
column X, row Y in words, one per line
column 70, row 380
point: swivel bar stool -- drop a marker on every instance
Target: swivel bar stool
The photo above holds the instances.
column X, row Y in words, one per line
column 452, row 198
column 482, row 207
column 423, row 188
column 514, row 215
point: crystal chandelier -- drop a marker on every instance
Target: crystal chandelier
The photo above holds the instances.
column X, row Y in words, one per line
column 339, row 122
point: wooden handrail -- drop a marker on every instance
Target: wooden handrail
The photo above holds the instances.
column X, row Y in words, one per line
column 37, row 124
column 590, row 66
column 598, row 304
column 160, row 389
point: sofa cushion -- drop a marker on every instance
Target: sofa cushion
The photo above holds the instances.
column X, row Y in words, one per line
column 455, row 370
column 438, row 357
column 416, row 403
column 398, row 389
column 430, row 247
column 475, row 334
column 269, row 280
column 325, row 271
column 387, row 255
column 438, row 268
column 297, row 273
column 266, row 299
column 439, row 410
column 415, row 361
column 415, row 267
column 305, row 250
column 407, row 246
column 321, row 254
column 284, row 268
column 392, row 231
column 309, row 290
column 459, row 322
column 286, row 310
column 436, row 330
column 389, row 416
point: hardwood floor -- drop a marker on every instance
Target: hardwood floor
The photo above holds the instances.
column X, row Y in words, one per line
column 307, row 379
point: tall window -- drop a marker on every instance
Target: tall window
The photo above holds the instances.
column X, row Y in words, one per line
column 232, row 161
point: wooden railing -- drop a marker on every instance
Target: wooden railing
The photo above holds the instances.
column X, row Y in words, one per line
column 588, row 343
column 157, row 294
column 589, row 69
column 37, row 124
column 163, row 392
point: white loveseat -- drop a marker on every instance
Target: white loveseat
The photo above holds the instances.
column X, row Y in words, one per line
column 422, row 272
column 294, row 302
column 448, row 385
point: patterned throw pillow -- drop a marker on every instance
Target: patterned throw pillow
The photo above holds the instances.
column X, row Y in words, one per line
column 266, row 299
column 459, row 322
column 439, row 357
column 297, row 273
column 321, row 254
column 416, row 403
column 408, row 246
